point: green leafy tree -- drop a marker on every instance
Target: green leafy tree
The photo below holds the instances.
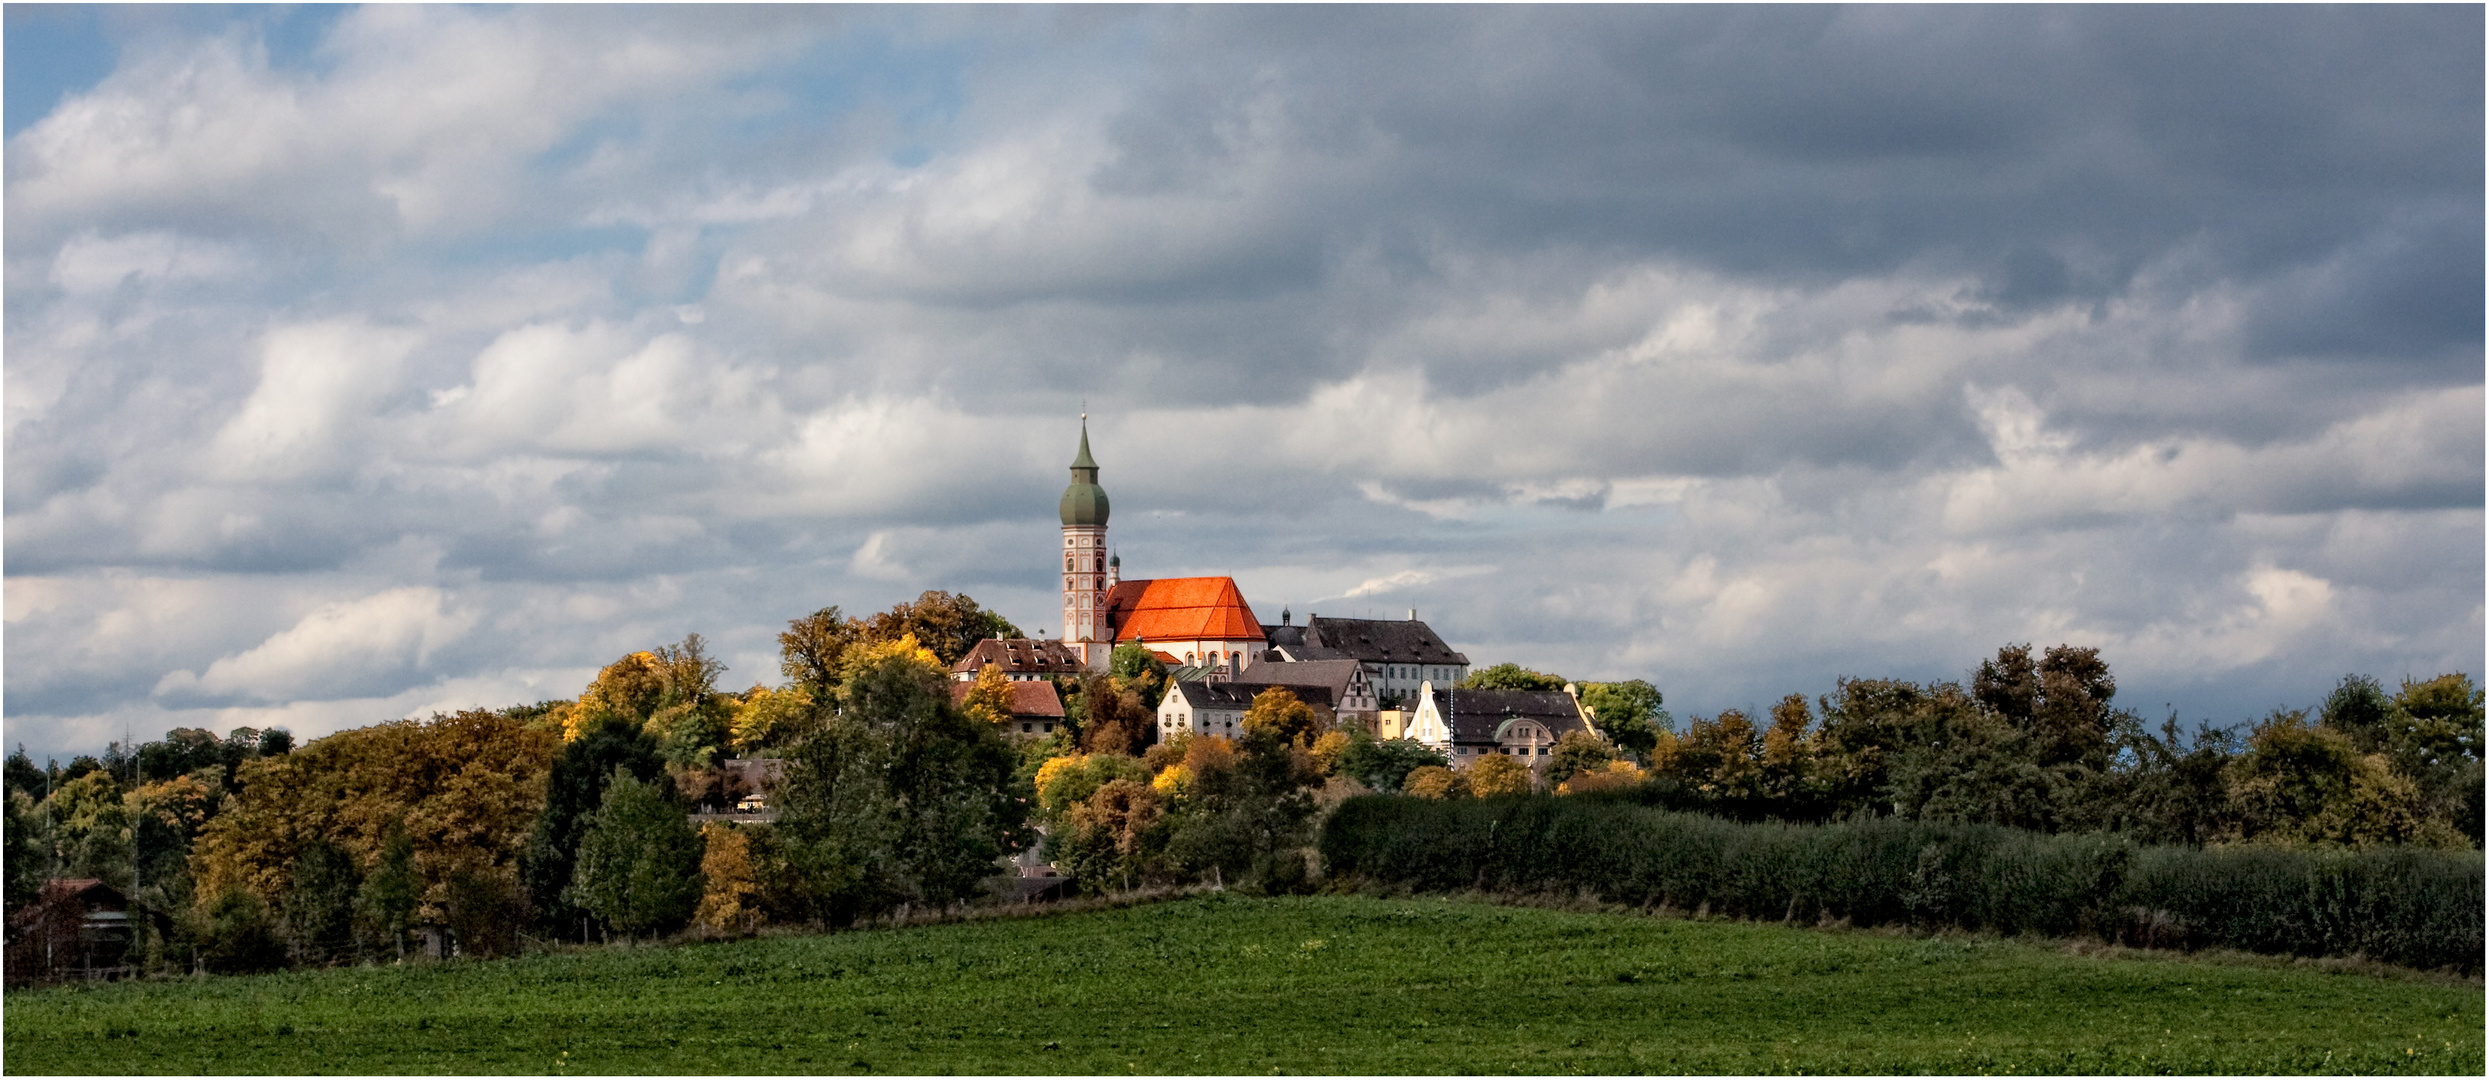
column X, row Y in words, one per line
column 28, row 857
column 318, row 913
column 1509, row 676
column 1628, row 713
column 1578, row 752
column 1247, row 807
column 1136, row 668
column 2302, row 783
column 2060, row 703
column 899, row 799
column 237, row 934
column 24, row 775
column 574, row 790
column 639, row 862
column 1385, row 764
column 384, row 904
column 92, row 828
column 689, row 718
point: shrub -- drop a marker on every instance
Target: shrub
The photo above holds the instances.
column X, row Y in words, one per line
column 2411, row 906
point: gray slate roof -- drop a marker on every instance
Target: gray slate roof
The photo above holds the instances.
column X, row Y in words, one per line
column 1381, row 641
column 1476, row 715
column 1332, row 674
column 1239, row 695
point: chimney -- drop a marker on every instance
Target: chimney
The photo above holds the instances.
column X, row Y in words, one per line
column 1412, row 614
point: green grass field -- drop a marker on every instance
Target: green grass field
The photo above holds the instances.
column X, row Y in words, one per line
column 1224, row 984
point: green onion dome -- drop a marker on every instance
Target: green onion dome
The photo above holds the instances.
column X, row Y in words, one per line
column 1084, row 502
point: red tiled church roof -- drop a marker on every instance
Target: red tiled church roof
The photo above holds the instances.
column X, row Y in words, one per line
column 1180, row 609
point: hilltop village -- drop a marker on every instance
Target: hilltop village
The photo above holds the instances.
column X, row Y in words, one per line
column 1395, row 678
column 933, row 755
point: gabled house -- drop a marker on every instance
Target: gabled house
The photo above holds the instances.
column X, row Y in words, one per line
column 1347, row 683
column 1204, row 707
column 1021, row 660
column 1399, row 655
column 77, row 927
column 1036, row 710
column 1469, row 724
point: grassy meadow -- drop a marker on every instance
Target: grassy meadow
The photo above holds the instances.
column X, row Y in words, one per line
column 1227, row 984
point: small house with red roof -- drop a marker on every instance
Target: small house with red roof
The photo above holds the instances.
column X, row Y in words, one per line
column 1036, row 710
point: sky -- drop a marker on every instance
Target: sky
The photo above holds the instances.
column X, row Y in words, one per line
column 366, row 362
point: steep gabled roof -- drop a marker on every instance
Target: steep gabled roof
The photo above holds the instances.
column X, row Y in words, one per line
column 1203, row 694
column 1381, row 641
column 1478, row 716
column 1034, row 699
column 1338, row 675
column 1021, row 656
column 1180, row 609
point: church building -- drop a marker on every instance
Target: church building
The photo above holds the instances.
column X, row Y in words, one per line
column 1200, row 621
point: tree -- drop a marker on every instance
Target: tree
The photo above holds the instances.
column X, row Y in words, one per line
column 1278, row 714
column 989, row 698
column 318, row 913
column 2061, row 703
column 1068, row 780
column 2172, row 791
column 813, row 651
column 946, row 624
column 1435, row 782
column 24, row 775
column 1113, row 720
column 770, row 719
column 1788, row 761
column 1331, row 747
column 1578, row 752
column 237, row 935
column 1510, row 676
column 2307, row 784
column 1496, row 775
column 639, row 862
column 384, row 905
column 899, row 799
column 575, row 784
column 1386, row 764
column 27, row 862
column 726, row 869
column 1628, row 713
column 689, row 719
column 1136, row 668
column 2439, row 747
column 1116, row 834
column 1616, row 776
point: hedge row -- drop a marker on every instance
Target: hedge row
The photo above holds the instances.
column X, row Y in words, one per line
column 2420, row 908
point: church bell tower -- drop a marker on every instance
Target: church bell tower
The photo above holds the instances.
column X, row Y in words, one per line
column 1085, row 559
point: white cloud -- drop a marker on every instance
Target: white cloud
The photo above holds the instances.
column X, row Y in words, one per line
column 491, row 341
column 339, row 646
column 316, row 384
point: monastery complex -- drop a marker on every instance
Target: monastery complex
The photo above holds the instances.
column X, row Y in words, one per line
column 1396, row 677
